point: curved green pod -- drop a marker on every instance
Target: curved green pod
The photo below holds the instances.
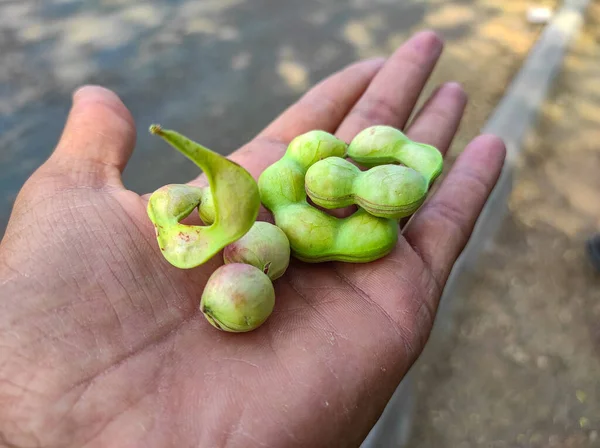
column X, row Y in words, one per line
column 231, row 205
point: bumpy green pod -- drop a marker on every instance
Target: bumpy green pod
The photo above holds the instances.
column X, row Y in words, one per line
column 314, row 235
column 387, row 191
column 379, row 145
column 231, row 206
column 237, row 298
column 265, row 247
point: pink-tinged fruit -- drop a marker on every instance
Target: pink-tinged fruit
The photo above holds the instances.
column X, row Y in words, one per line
column 237, row 298
column 265, row 247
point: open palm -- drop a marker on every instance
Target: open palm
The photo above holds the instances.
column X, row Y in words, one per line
column 102, row 342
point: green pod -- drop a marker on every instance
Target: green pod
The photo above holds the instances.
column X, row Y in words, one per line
column 380, row 145
column 386, row 191
column 206, row 209
column 314, row 235
column 237, row 298
column 231, row 205
column 265, row 247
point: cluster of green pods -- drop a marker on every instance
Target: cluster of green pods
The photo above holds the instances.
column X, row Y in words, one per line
column 317, row 167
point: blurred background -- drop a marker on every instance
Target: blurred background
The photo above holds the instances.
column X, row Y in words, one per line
column 521, row 366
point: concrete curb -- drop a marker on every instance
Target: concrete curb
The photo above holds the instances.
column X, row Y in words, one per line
column 514, row 116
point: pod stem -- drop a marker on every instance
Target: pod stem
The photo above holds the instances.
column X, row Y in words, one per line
column 194, row 151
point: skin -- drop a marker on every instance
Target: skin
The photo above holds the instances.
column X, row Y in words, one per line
column 386, row 191
column 237, row 298
column 378, row 145
column 102, row 341
column 265, row 247
column 314, row 235
column 232, row 207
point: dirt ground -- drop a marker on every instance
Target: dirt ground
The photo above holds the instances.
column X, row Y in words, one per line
column 522, row 368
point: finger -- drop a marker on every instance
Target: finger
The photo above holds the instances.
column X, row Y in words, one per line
column 394, row 91
column 441, row 228
column 323, row 107
column 98, row 138
column 437, row 121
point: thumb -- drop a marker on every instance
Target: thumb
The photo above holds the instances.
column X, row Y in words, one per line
column 97, row 141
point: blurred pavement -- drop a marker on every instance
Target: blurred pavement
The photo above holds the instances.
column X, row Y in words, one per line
column 219, row 70
column 522, row 366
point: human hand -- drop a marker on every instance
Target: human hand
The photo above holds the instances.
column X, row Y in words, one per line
column 102, row 342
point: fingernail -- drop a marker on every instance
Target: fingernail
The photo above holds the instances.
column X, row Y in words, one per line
column 454, row 86
column 455, row 91
column 377, row 60
column 428, row 40
column 88, row 91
